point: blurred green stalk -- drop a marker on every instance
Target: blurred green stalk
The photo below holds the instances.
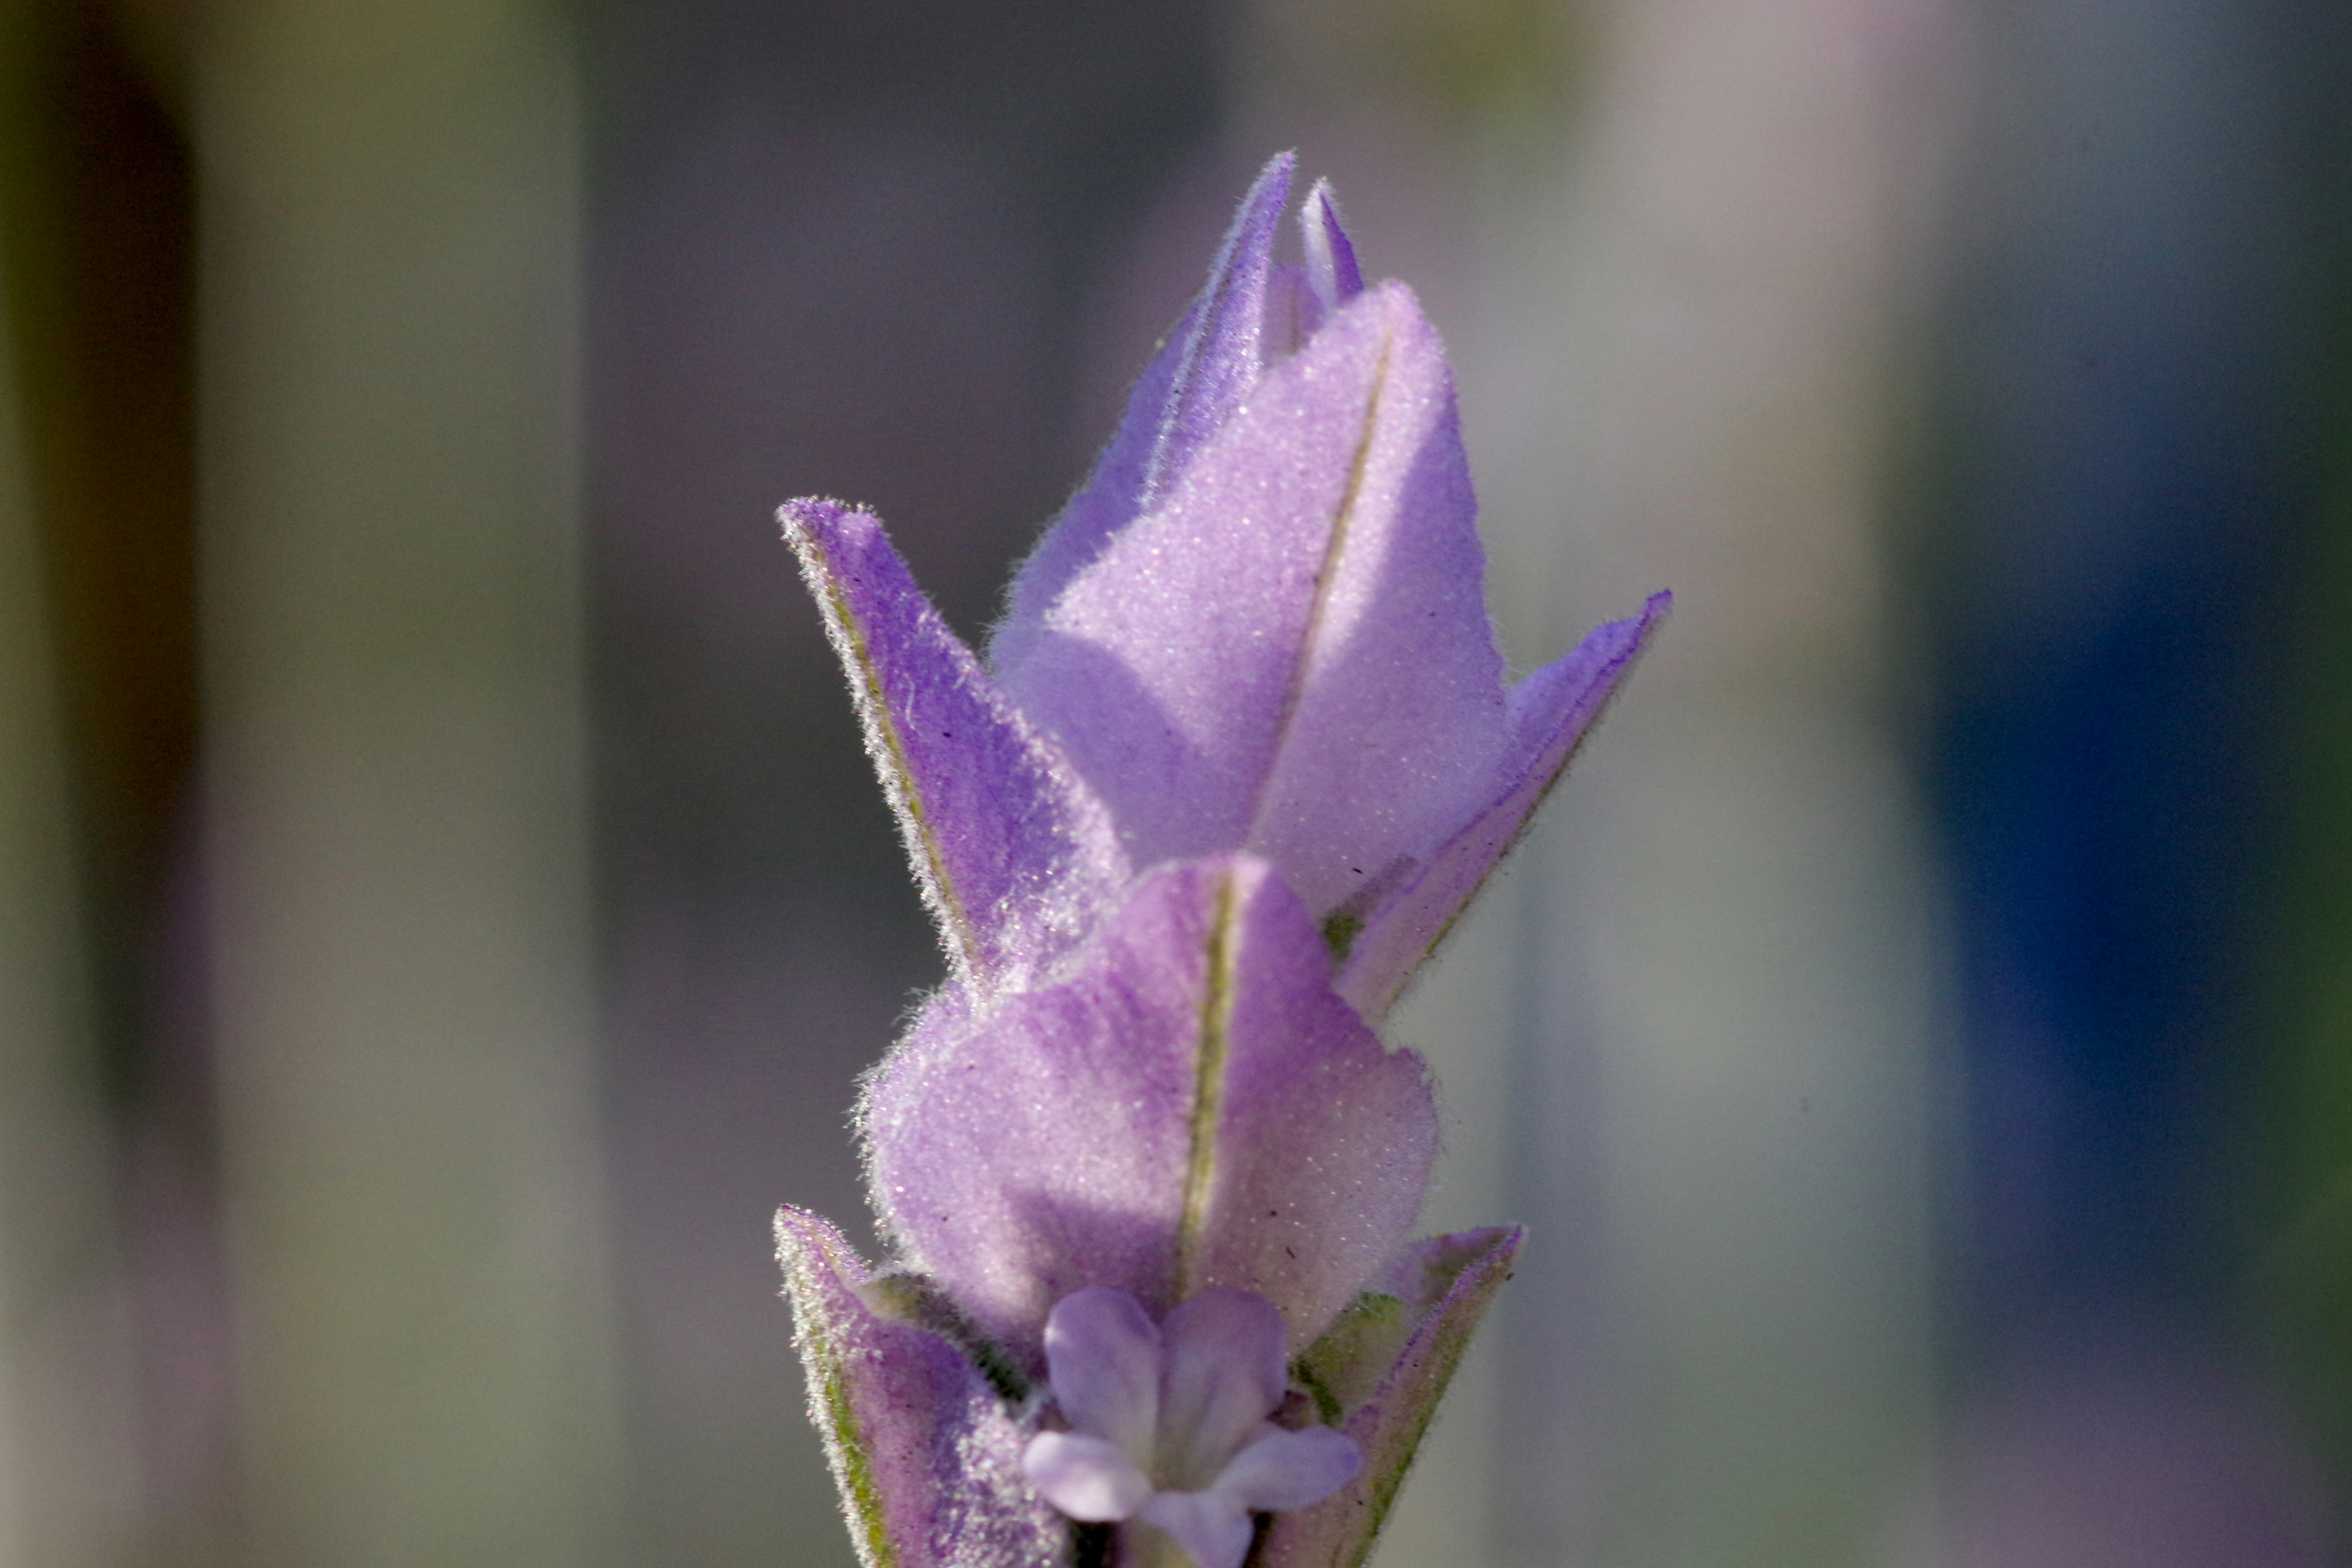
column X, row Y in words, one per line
column 396, row 782
column 64, row 1409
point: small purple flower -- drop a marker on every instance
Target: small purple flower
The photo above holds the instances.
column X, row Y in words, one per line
column 1169, row 1427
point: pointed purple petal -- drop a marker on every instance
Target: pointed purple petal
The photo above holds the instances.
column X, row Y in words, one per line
column 1227, row 1367
column 1192, row 386
column 1550, row 713
column 1331, row 271
column 1191, row 1105
column 926, row 1456
column 1440, row 1289
column 1293, row 657
column 1213, row 1527
column 1102, row 1352
column 1015, row 856
column 1089, row 1478
column 1283, row 1471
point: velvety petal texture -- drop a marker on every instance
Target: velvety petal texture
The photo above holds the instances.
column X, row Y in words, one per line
column 1379, row 1374
column 1203, row 369
column 1213, row 1527
column 927, row 1456
column 1292, row 656
column 1224, row 1360
column 1103, row 1353
column 1190, row 1105
column 1259, row 626
column 1015, row 856
column 1090, row 1478
column 1284, row 1471
column 1549, row 715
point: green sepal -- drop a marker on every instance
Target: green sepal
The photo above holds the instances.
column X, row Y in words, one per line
column 1376, row 1374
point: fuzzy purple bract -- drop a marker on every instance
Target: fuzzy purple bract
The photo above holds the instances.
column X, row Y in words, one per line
column 1239, row 753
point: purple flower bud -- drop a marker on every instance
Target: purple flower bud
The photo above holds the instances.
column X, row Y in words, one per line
column 1260, row 625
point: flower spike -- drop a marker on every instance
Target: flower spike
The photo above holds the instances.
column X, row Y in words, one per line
column 1241, row 752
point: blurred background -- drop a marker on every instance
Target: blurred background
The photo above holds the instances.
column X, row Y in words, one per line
column 444, row 908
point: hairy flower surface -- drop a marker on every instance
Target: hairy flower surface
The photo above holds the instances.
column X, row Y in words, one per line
column 1241, row 751
column 1190, row 1105
column 1260, row 625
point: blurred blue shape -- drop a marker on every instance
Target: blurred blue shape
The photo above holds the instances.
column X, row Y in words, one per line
column 2132, row 480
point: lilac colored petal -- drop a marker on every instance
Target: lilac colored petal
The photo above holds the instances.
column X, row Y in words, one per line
column 1293, row 655
column 1015, row 856
column 1331, row 271
column 1227, row 1368
column 1550, row 713
column 926, row 1456
column 1103, row 1355
column 1284, row 1471
column 1192, row 386
column 1212, row 1526
column 1086, row 1478
column 1444, row 1285
column 1138, row 1123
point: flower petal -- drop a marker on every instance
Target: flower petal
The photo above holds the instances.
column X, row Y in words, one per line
column 1190, row 1105
column 1292, row 656
column 1550, row 713
column 1285, row 1470
column 1445, row 1285
column 926, row 1456
column 1086, row 1478
column 1190, row 388
column 1332, row 275
column 1227, row 1356
column 1015, row 856
column 1103, row 1355
column 1211, row 1527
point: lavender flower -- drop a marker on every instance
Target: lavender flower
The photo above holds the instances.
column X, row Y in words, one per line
column 1260, row 625
column 1240, row 753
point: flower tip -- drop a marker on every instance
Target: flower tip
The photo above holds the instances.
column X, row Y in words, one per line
column 1640, row 629
column 1263, row 203
column 809, row 521
column 799, row 514
column 1332, row 271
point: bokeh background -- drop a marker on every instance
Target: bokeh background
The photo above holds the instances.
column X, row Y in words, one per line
column 442, row 909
